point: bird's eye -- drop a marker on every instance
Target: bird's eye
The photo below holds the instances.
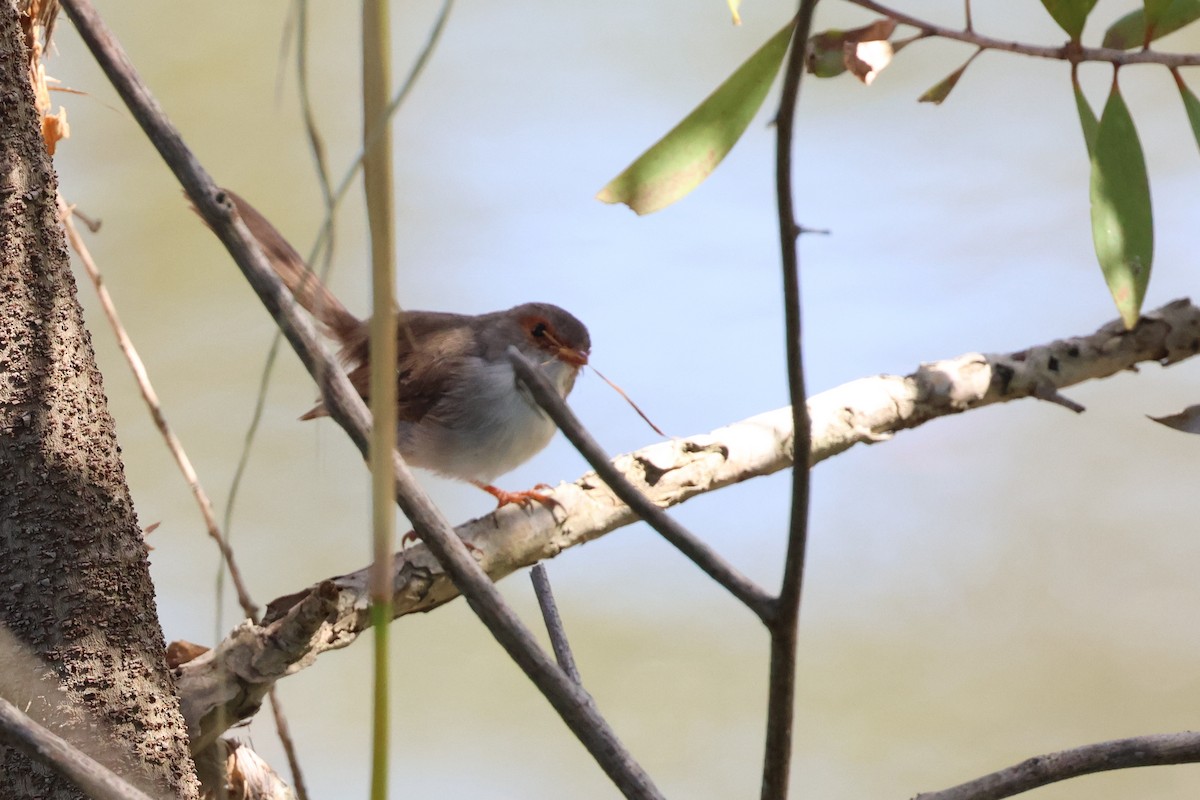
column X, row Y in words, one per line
column 538, row 330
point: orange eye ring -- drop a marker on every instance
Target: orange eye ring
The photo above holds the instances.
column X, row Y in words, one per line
column 544, row 336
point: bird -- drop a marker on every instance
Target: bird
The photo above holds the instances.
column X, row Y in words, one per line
column 460, row 411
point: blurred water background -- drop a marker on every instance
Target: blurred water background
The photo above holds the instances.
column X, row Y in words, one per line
column 1005, row 583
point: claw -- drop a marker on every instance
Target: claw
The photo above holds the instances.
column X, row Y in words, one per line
column 519, row 498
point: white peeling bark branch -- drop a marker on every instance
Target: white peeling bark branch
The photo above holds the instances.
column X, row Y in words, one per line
column 873, row 409
column 864, row 411
column 228, row 683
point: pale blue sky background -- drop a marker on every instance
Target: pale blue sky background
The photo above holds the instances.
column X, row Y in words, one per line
column 1004, row 583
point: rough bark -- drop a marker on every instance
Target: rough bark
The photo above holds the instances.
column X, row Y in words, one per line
column 84, row 653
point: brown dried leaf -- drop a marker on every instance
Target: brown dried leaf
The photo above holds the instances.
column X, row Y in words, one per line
column 1187, row 420
column 181, row 652
column 39, row 23
column 54, row 129
column 864, row 51
column 878, row 30
column 867, row 59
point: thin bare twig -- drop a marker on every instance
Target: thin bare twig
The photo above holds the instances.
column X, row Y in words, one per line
column 239, row 472
column 322, row 249
column 573, row 704
column 1065, row 52
column 554, row 624
column 751, row 594
column 1139, row 751
column 435, row 34
column 781, row 693
column 284, row 732
column 324, row 246
column 346, row 407
column 249, row 608
column 156, row 413
column 315, row 142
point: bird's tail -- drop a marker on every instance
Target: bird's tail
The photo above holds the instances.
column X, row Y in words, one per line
column 309, row 292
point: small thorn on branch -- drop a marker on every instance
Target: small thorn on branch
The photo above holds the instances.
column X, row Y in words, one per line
column 1050, row 395
column 92, row 225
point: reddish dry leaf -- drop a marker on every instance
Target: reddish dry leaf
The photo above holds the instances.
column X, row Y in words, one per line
column 55, row 128
column 181, row 652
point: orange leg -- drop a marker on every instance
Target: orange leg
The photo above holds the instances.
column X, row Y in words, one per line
column 520, row 498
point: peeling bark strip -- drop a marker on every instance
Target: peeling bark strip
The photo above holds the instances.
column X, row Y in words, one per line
column 872, row 409
column 75, row 590
column 866, row 411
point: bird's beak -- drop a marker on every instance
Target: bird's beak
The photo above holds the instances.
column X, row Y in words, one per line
column 576, row 358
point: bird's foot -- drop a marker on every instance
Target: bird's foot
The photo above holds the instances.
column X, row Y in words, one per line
column 519, row 498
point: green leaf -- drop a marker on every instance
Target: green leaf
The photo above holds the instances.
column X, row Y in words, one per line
column 1087, row 117
column 1070, row 14
column 937, row 93
column 1154, row 10
column 1130, row 30
column 689, row 153
column 1122, row 223
column 1192, row 105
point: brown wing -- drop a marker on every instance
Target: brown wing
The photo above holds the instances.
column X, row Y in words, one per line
column 431, row 349
column 430, row 346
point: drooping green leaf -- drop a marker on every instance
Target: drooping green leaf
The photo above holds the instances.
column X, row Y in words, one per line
column 1154, row 11
column 937, row 93
column 1070, row 14
column 1087, row 117
column 1192, row 105
column 1130, row 30
column 1122, row 223
column 688, row 154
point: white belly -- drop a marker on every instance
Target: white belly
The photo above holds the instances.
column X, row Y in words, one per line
column 486, row 428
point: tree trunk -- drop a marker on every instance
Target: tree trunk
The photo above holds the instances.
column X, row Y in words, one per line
column 81, row 650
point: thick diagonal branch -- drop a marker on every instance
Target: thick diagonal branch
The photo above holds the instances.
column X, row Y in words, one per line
column 864, row 411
